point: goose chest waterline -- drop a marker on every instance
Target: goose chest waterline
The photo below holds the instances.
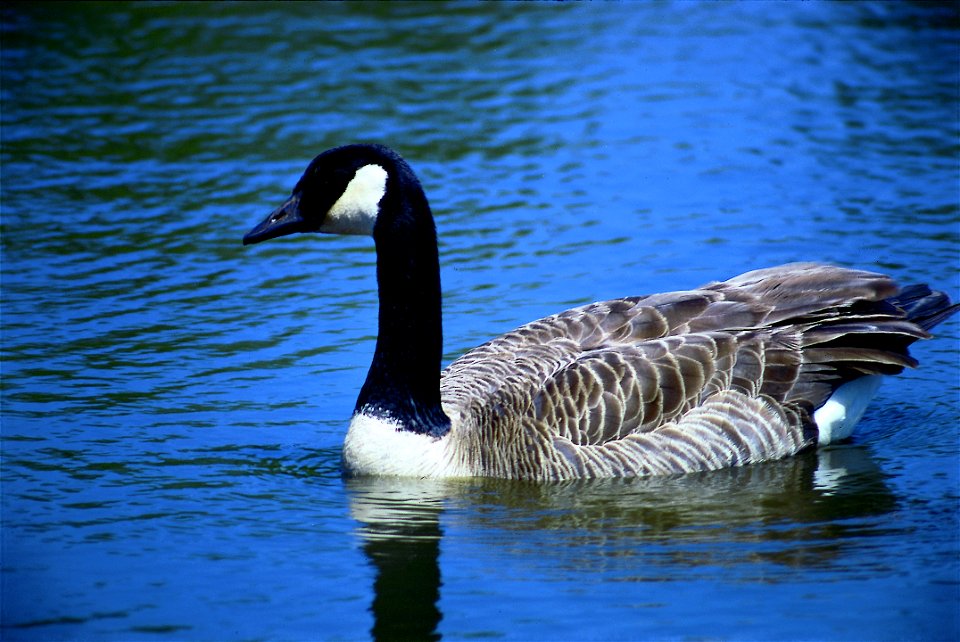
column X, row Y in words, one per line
column 755, row 368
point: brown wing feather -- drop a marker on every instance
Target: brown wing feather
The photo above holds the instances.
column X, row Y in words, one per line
column 723, row 375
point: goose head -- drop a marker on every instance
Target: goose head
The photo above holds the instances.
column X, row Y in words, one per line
column 370, row 190
column 339, row 193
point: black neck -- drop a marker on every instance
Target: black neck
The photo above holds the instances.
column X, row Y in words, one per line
column 404, row 379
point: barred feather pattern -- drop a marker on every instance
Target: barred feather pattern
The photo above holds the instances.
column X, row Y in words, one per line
column 724, row 375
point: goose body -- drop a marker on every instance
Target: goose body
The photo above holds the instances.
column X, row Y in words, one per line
column 754, row 368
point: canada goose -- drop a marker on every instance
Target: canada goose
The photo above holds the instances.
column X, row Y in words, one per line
column 755, row 368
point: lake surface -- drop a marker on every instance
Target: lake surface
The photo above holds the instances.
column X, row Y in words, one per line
column 173, row 404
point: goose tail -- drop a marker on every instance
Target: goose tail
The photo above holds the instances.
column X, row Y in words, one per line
column 923, row 306
column 919, row 309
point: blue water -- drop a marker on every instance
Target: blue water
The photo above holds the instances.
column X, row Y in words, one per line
column 173, row 404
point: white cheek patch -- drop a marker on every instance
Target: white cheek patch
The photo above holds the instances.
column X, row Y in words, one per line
column 356, row 210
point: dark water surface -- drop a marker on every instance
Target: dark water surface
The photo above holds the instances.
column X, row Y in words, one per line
column 174, row 404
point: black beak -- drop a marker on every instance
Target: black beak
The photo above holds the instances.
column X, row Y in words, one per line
column 284, row 220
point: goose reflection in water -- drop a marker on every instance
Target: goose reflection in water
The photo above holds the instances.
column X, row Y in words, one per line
column 400, row 528
column 642, row 530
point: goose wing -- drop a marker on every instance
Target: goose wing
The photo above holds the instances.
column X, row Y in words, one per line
column 723, row 375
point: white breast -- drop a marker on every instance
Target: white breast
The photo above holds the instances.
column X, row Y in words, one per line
column 376, row 446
